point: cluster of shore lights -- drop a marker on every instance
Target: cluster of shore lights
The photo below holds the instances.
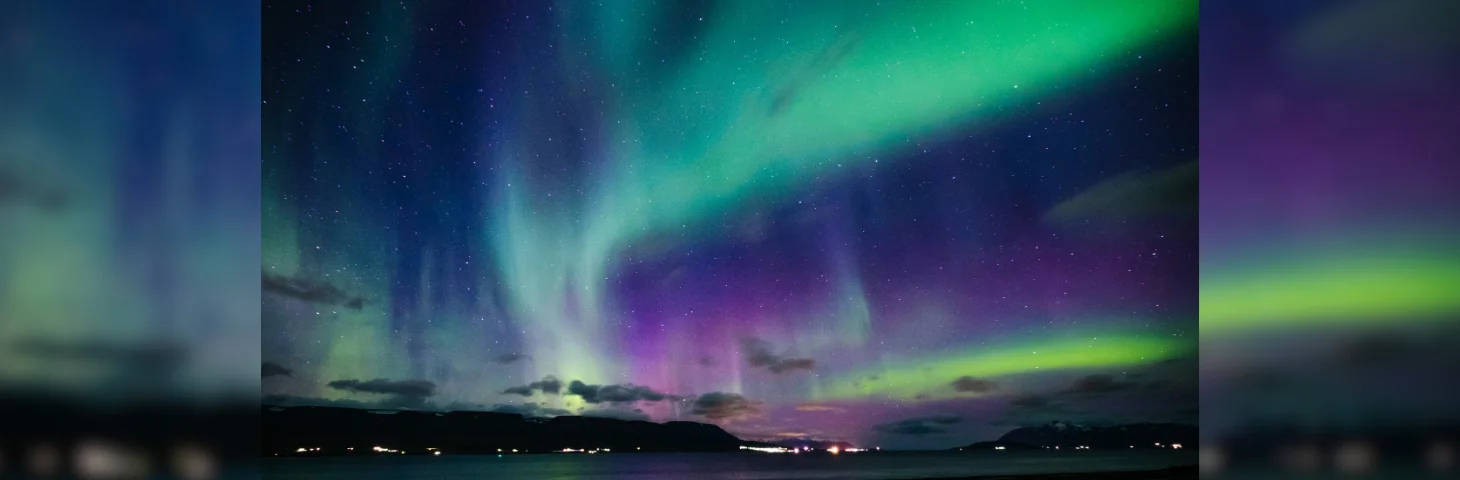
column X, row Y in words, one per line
column 380, row 449
column 833, row 450
column 596, row 450
column 302, row 450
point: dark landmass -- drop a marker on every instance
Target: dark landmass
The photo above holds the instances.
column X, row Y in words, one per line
column 335, row 431
column 1065, row 435
column 999, row 443
column 814, row 444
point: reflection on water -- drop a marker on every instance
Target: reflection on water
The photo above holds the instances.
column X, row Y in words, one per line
column 737, row 466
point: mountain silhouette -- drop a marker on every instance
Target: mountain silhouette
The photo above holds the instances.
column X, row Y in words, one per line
column 334, row 431
column 1066, row 435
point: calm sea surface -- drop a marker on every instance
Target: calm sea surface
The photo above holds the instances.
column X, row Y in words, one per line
column 739, row 466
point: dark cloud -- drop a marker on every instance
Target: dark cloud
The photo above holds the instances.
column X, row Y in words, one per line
column 625, row 393
column 708, row 361
column 271, row 369
column 1099, row 385
column 1031, row 401
column 722, row 405
column 394, row 402
column 975, row 385
column 510, row 358
column 930, row 425
column 149, row 358
column 530, row 410
column 1028, row 410
column 312, row 291
column 297, row 401
column 620, row 414
column 16, row 188
column 758, row 353
column 548, row 384
column 1131, row 195
column 402, row 393
column 405, row 401
column 465, row 407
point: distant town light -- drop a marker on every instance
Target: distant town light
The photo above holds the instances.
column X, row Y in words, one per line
column 1000, row 447
column 769, row 449
column 438, row 452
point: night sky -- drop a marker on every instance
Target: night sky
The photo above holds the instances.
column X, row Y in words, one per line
column 911, row 225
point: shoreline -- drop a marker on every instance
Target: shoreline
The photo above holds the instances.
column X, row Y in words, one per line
column 1169, row 473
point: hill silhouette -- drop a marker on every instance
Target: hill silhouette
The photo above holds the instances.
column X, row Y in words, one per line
column 1066, row 435
column 334, row 431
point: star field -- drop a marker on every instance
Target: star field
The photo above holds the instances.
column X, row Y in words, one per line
column 797, row 221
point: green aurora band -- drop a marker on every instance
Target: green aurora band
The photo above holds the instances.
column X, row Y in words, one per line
column 769, row 114
column 929, row 377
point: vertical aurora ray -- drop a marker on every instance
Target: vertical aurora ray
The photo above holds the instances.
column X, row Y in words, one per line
column 646, row 194
column 699, row 139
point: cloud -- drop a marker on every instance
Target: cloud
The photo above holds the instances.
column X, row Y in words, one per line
column 388, row 403
column 1031, row 401
column 548, row 384
column 1031, row 409
column 818, row 407
column 510, row 358
column 297, row 401
column 459, row 406
column 271, row 369
column 975, row 385
column 16, row 188
column 147, row 357
column 722, row 405
column 929, row 425
column 620, row 414
column 625, row 393
column 530, row 410
column 403, row 393
column 415, row 388
column 758, row 353
column 707, row 362
column 312, row 291
column 1099, row 385
column 1131, row 195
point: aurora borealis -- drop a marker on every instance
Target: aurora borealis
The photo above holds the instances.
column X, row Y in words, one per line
column 795, row 219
